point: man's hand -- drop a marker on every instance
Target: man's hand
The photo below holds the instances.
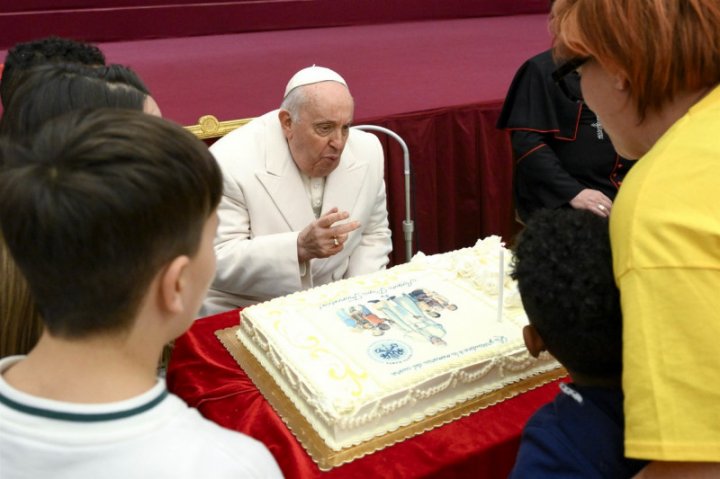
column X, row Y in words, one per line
column 592, row 200
column 323, row 238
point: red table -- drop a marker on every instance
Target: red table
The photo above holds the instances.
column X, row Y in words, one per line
column 482, row 445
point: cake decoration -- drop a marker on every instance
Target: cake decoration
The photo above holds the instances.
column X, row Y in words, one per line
column 365, row 356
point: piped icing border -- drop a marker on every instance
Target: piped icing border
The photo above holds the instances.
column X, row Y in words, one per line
column 327, row 458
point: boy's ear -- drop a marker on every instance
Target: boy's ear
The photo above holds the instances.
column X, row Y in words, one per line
column 172, row 285
column 533, row 342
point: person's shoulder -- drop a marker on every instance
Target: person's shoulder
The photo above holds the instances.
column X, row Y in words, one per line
column 542, row 59
column 233, row 451
column 364, row 147
column 541, row 65
column 360, row 140
column 246, row 141
column 252, row 126
column 356, row 134
column 215, row 451
column 546, row 417
column 555, row 416
column 545, row 451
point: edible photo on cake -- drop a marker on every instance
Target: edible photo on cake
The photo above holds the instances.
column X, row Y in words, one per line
column 414, row 312
column 421, row 315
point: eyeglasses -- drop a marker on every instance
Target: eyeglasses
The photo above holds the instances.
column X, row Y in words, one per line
column 564, row 70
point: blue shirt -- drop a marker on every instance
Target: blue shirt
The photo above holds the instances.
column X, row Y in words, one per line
column 578, row 435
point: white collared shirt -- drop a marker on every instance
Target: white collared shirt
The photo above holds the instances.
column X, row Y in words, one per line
column 315, row 189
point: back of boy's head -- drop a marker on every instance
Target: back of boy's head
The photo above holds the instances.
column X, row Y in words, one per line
column 44, row 50
column 102, row 201
column 50, row 90
column 116, row 74
column 563, row 266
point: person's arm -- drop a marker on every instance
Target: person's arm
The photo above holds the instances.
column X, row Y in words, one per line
column 539, row 171
column 252, row 266
column 684, row 470
column 371, row 254
column 541, row 180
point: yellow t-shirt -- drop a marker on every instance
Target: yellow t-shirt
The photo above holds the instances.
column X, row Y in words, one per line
column 665, row 232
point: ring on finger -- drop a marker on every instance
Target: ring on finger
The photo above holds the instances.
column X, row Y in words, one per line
column 335, row 241
column 601, row 207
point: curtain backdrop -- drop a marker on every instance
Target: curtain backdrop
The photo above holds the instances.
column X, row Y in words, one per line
column 462, row 178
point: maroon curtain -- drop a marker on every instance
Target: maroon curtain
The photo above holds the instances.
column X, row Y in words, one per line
column 462, row 177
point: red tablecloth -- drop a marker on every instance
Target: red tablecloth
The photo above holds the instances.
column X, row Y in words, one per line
column 482, row 445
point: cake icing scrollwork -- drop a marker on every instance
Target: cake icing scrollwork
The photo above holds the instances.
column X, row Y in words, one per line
column 518, row 362
column 337, row 369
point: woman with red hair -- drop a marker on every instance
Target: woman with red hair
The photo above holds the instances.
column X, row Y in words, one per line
column 650, row 69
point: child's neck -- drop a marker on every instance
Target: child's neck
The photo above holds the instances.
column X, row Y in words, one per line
column 93, row 370
column 610, row 382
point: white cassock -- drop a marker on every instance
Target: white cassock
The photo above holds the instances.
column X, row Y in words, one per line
column 265, row 206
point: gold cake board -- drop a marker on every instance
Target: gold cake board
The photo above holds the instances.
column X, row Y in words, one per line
column 327, row 458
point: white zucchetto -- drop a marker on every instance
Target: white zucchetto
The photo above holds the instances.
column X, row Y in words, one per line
column 310, row 75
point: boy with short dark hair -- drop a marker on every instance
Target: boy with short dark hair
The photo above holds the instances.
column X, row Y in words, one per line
column 563, row 267
column 26, row 55
column 111, row 218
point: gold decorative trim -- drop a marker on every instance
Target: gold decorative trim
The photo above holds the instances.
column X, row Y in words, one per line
column 208, row 127
column 327, row 458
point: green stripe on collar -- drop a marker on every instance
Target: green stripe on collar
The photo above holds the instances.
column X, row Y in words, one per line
column 80, row 417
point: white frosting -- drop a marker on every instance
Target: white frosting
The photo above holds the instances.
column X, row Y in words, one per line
column 364, row 356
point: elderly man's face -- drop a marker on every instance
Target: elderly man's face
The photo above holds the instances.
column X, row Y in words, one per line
column 318, row 137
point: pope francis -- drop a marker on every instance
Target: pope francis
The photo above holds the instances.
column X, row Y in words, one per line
column 304, row 197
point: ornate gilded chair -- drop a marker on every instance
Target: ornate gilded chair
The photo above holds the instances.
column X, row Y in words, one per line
column 209, row 127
